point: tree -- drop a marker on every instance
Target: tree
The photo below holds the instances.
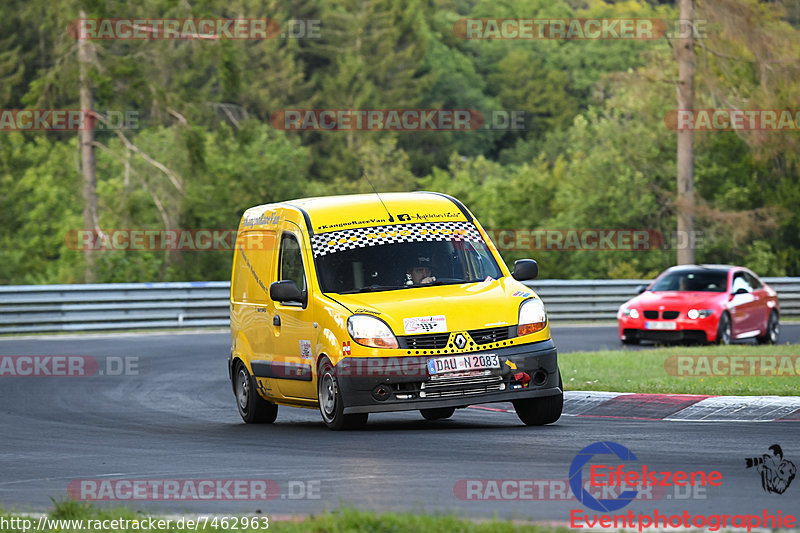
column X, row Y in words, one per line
column 685, row 203
column 86, row 134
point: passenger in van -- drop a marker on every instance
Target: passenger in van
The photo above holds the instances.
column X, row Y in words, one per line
column 420, row 272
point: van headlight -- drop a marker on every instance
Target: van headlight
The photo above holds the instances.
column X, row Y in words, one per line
column 532, row 317
column 370, row 331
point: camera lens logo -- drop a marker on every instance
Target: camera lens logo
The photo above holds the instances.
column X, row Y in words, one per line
column 576, row 476
column 776, row 472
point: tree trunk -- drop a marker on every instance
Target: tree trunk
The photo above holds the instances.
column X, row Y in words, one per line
column 685, row 203
column 88, row 163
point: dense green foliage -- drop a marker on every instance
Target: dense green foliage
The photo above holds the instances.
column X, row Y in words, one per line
column 595, row 152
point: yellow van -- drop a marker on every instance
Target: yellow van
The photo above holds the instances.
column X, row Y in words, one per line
column 365, row 303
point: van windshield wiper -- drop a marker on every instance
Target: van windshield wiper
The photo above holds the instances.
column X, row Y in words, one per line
column 446, row 281
column 374, row 288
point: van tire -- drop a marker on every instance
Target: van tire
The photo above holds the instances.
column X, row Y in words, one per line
column 331, row 405
column 437, row 414
column 541, row 411
column 252, row 407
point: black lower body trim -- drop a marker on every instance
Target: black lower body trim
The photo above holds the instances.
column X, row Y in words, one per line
column 681, row 335
column 403, row 383
column 281, row 370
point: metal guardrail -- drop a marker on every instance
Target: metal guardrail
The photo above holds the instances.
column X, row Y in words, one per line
column 114, row 306
column 600, row 299
column 121, row 306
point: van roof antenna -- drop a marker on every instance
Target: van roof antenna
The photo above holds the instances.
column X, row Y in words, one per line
column 391, row 218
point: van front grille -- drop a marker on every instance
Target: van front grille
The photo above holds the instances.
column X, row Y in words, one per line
column 428, row 341
column 454, row 386
column 489, row 335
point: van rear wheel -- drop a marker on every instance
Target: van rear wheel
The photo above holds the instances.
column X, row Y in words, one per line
column 437, row 414
column 541, row 411
column 252, row 407
column 331, row 405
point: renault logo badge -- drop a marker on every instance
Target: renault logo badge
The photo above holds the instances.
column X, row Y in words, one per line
column 460, row 341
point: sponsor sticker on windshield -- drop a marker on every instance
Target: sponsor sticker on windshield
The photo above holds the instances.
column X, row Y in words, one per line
column 425, row 324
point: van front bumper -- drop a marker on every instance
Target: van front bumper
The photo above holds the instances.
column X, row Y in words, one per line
column 377, row 384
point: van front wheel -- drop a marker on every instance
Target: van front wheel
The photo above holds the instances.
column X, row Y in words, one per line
column 252, row 407
column 331, row 406
column 541, row 411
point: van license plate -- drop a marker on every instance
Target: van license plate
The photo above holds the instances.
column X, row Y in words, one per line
column 660, row 325
column 461, row 363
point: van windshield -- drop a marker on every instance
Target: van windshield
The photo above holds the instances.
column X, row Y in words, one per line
column 402, row 256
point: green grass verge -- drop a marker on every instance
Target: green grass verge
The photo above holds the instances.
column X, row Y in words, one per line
column 341, row 521
column 652, row 370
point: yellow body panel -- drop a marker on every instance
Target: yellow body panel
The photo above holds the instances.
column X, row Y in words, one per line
column 331, row 213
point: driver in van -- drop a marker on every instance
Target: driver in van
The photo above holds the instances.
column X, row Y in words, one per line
column 420, row 272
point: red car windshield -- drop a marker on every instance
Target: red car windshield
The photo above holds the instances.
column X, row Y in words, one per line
column 693, row 280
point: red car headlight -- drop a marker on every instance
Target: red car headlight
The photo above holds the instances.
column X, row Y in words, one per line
column 630, row 313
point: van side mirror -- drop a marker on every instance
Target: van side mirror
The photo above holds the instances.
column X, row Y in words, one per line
column 640, row 289
column 525, row 269
column 285, row 291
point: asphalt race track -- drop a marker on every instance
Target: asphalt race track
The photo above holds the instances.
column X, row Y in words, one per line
column 175, row 418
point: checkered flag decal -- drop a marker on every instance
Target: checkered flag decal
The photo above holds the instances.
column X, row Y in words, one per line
column 350, row 239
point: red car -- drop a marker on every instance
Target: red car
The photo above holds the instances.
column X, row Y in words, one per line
column 705, row 303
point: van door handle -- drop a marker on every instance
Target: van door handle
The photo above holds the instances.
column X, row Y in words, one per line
column 276, row 320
